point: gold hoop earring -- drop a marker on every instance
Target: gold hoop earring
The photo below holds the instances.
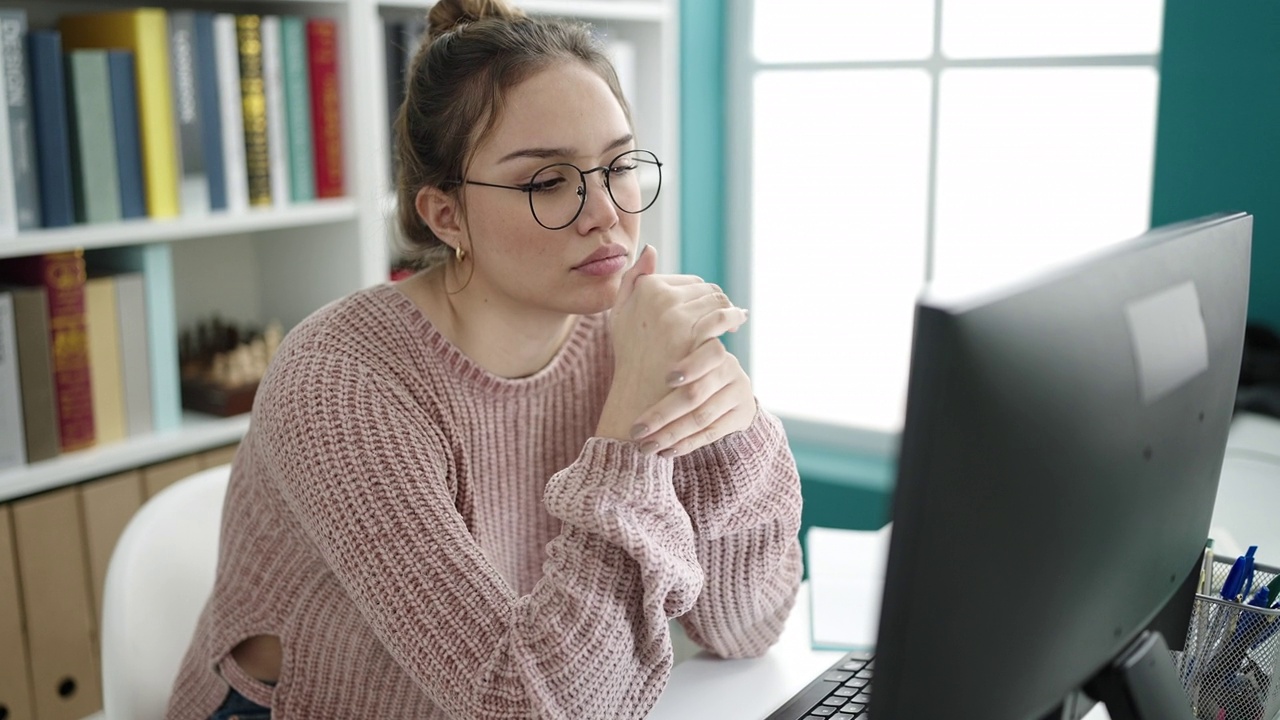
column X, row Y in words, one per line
column 460, row 254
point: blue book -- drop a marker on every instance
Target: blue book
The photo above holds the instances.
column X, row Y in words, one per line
column 124, row 111
column 206, row 63
column 53, row 145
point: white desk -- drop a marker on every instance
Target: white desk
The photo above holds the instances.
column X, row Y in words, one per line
column 704, row 686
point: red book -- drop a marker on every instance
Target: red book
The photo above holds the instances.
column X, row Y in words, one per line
column 62, row 275
column 326, row 106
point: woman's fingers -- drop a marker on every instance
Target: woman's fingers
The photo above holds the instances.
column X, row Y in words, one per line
column 686, row 415
column 704, row 359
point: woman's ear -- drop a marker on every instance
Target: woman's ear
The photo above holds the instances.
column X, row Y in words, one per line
column 441, row 212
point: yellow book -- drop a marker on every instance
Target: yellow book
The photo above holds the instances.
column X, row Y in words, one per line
column 144, row 32
column 106, row 378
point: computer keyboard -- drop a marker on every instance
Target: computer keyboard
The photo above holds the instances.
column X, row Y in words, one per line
column 841, row 693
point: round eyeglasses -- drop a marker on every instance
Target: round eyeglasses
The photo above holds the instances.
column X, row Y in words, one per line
column 557, row 193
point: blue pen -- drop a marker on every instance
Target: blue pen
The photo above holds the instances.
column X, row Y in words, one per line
column 1233, row 590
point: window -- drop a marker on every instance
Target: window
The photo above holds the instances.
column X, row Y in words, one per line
column 879, row 145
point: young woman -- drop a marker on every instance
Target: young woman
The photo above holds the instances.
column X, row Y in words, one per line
column 484, row 491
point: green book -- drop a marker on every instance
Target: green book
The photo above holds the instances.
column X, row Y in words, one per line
column 95, row 179
column 297, row 95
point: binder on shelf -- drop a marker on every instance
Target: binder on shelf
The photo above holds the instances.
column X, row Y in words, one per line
column 326, row 106
column 231, row 111
column 53, row 147
column 155, row 263
column 193, row 185
column 124, row 121
column 297, row 90
column 13, row 441
column 161, row 475
column 207, row 88
column 106, row 375
column 144, row 31
column 95, row 177
column 273, row 91
column 62, row 274
column 35, row 372
column 22, row 138
column 135, row 359
column 52, row 572
column 15, row 668
column 107, row 505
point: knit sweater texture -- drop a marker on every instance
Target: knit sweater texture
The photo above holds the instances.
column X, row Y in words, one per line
column 430, row 540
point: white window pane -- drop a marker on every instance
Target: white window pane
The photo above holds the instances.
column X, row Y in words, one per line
column 1050, row 28
column 1036, row 166
column 829, row 30
column 839, row 173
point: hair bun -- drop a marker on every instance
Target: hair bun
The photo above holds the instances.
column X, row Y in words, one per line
column 446, row 15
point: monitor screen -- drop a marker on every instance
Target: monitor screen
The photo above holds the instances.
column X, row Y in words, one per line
column 1057, row 471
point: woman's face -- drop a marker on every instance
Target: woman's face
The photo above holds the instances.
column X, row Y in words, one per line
column 563, row 114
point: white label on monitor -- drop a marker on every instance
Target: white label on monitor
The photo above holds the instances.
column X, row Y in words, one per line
column 1169, row 341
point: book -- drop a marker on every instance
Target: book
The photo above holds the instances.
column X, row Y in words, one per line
column 106, row 378
column 95, row 177
column 62, row 274
column 135, row 360
column 273, row 89
column 17, row 95
column 13, row 442
column 53, row 146
column 144, row 31
column 124, row 119
column 297, row 90
column 207, row 86
column 326, row 106
column 35, row 371
column 396, row 59
column 8, row 192
column 155, row 263
column 231, row 111
column 254, row 101
column 193, row 184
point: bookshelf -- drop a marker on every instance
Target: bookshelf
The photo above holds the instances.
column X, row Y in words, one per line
column 284, row 262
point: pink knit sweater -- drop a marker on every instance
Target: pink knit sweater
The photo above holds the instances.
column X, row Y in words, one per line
column 429, row 540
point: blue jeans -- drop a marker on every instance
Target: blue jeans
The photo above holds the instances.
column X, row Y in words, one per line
column 239, row 707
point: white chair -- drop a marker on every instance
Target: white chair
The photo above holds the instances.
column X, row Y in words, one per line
column 159, row 577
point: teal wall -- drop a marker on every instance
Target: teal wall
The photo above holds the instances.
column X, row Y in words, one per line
column 1218, row 133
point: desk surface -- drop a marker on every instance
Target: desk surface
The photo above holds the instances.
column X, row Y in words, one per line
column 704, row 686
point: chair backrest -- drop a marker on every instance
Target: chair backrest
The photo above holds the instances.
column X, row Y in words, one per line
column 159, row 577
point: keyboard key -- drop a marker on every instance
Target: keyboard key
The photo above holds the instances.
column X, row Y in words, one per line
column 836, row 676
column 857, row 683
column 844, row 692
column 853, row 666
column 822, row 711
column 868, row 674
column 833, row 701
column 842, row 716
column 862, row 698
column 853, row 708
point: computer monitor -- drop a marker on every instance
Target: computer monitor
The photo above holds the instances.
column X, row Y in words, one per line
column 1058, row 467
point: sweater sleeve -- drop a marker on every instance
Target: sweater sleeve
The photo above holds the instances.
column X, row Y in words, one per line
column 743, row 496
column 364, row 469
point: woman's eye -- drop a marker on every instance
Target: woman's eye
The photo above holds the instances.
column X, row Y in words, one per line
column 621, row 169
column 544, row 184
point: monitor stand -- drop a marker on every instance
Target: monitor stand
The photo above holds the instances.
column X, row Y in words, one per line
column 1141, row 683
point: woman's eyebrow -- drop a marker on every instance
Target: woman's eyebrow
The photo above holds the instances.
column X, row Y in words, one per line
column 544, row 153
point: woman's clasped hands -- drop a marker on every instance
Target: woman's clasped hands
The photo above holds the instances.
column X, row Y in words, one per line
column 675, row 386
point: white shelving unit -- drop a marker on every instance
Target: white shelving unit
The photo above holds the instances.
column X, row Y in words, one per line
column 283, row 264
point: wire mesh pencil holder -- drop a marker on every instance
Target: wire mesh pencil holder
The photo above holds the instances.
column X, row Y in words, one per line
column 1231, row 653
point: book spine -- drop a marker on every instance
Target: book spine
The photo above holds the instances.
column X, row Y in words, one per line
column 393, row 54
column 96, row 179
column 145, row 31
column 273, row 89
column 232, row 113
column 53, row 149
column 297, row 88
column 13, row 443
column 326, row 106
column 35, row 372
column 22, row 139
column 210, row 109
column 193, row 188
column 124, row 119
column 135, row 362
column 8, row 193
column 106, row 380
column 254, row 100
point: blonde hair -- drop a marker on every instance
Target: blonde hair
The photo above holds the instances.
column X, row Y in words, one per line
column 474, row 52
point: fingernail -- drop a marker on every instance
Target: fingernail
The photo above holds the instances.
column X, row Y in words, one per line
column 639, row 431
column 669, row 452
column 675, row 378
column 648, row 448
